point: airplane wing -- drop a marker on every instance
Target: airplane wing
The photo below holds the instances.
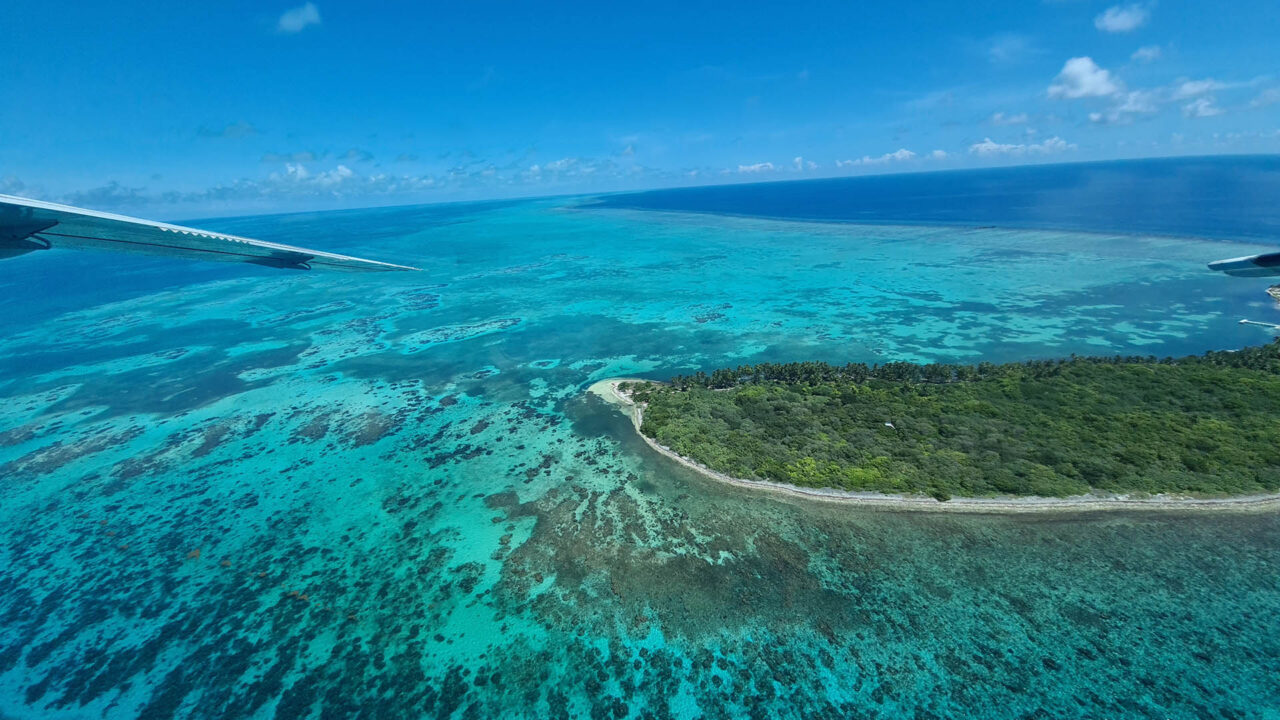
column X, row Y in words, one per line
column 30, row 225
column 1250, row 265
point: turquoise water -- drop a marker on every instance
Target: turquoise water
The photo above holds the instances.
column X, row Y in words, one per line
column 237, row 493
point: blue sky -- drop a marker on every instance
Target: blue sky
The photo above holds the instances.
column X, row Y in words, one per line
column 188, row 109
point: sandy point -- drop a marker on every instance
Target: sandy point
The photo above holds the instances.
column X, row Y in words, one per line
column 608, row 391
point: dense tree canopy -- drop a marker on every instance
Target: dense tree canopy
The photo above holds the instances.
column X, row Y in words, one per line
column 1208, row 424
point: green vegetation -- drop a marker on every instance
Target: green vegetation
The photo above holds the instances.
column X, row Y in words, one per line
column 1202, row 425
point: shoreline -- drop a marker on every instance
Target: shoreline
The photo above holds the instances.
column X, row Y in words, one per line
column 607, row 390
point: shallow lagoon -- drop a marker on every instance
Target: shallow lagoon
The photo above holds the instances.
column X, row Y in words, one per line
column 237, row 493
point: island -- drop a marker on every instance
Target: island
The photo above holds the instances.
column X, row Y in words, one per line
column 1071, row 433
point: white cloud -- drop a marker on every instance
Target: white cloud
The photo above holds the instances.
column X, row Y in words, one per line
column 1270, row 96
column 1081, row 77
column 1192, row 88
column 298, row 182
column 1128, row 104
column 1138, row 101
column 307, row 184
column 990, row 148
column 336, row 176
column 1002, row 119
column 800, row 163
column 561, row 165
column 1195, row 96
column 899, row 155
column 1146, row 54
column 1122, row 18
column 1054, row 144
column 298, row 19
column 560, row 170
column 1201, row 108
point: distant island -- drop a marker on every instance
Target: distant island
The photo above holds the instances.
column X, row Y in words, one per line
column 1199, row 431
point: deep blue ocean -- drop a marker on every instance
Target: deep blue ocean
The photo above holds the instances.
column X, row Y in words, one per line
column 1213, row 197
column 232, row 492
